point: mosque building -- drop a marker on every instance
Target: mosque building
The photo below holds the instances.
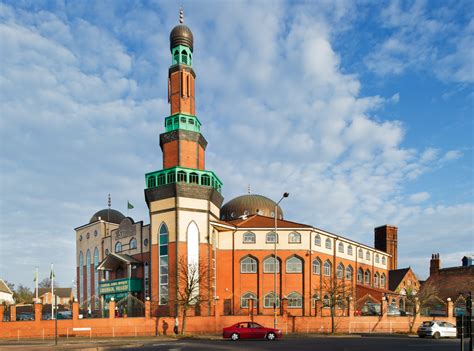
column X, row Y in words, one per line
column 248, row 251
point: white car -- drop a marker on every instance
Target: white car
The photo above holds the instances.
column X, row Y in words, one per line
column 437, row 329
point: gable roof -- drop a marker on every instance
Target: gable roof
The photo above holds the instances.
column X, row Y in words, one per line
column 60, row 292
column 395, row 277
column 4, row 287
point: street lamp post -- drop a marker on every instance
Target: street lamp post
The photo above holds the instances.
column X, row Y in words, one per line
column 275, row 262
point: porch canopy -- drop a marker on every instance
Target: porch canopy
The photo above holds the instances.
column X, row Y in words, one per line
column 114, row 260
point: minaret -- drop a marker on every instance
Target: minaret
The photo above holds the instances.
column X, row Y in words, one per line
column 182, row 197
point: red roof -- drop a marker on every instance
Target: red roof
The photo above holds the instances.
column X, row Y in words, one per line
column 376, row 293
column 258, row 221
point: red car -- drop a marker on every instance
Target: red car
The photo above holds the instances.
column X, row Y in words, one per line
column 250, row 330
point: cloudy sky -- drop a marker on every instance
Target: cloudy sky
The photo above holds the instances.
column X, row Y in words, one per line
column 362, row 110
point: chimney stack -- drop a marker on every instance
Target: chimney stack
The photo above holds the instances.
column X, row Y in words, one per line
column 435, row 264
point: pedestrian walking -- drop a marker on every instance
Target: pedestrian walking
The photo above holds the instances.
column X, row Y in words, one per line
column 176, row 325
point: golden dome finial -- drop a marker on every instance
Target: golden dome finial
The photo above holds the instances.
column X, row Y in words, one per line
column 181, row 15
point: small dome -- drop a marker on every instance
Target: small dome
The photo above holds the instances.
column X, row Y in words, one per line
column 181, row 35
column 113, row 216
column 247, row 205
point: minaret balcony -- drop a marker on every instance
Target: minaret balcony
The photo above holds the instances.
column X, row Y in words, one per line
column 183, row 175
column 182, row 121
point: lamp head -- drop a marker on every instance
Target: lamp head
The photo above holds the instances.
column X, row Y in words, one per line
column 286, row 194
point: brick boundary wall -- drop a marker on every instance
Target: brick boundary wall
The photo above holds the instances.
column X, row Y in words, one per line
column 152, row 326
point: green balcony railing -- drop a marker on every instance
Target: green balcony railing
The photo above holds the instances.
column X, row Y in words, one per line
column 182, row 175
column 182, row 121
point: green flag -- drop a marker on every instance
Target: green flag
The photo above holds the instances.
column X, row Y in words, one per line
column 129, row 205
column 52, row 275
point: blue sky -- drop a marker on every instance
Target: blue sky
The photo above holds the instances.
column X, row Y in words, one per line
column 361, row 110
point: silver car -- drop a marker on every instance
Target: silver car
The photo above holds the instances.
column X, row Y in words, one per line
column 437, row 329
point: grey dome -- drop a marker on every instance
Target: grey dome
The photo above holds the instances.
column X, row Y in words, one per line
column 249, row 204
column 113, row 216
column 181, row 35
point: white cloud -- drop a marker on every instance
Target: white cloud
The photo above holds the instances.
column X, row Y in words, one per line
column 419, row 197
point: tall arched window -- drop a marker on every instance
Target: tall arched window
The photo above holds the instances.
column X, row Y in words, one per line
column 377, row 258
column 341, row 247
column 327, row 268
column 361, row 254
column 326, row 301
column 382, row 280
column 249, row 238
column 384, row 260
column 133, row 244
column 96, row 277
column 340, row 271
column 294, row 265
column 360, row 275
column 80, row 283
column 349, row 272
column 176, row 56
column 248, row 265
column 271, row 238
column 295, row 300
column 328, row 243
column 184, row 57
column 315, row 298
column 118, row 246
column 269, row 265
column 317, row 240
column 316, row 266
column 163, row 262
column 367, row 255
column 367, row 276
column 376, row 279
column 244, row 300
column 269, row 299
column 88, row 275
column 294, row 238
column 349, row 250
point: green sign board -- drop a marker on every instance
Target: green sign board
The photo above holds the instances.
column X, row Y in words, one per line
column 120, row 286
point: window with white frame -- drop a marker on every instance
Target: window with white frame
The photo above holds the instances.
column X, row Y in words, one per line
column 349, row 250
column 271, row 237
column 118, row 246
column 294, row 265
column 341, row 248
column 326, row 301
column 384, row 260
column 316, row 266
column 367, row 255
column 361, row 254
column 133, row 244
column 328, row 243
column 314, row 299
column 367, row 276
column 340, row 271
column 248, row 265
column 269, row 299
column 327, row 268
column 295, row 300
column 317, row 240
column 360, row 275
column 349, row 272
column 249, row 238
column 163, row 240
column 376, row 279
column 244, row 300
column 382, row 280
column 294, row 238
column 377, row 258
column 269, row 265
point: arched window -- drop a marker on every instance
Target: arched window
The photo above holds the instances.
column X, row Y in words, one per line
column 244, row 300
column 295, row 300
column 205, row 180
column 328, row 243
column 376, row 279
column 327, row 268
column 377, row 258
column 248, row 265
column 315, row 298
column 341, row 247
column 384, row 260
column 194, row 178
column 326, row 301
column 349, row 272
column 269, row 299
column 80, row 285
column 133, row 243
column 163, row 263
column 367, row 276
column 118, row 246
column 176, row 56
column 271, row 238
column 382, row 280
column 269, row 265
column 294, row 238
column 106, row 252
column 340, row 271
column 96, row 277
column 317, row 240
column 249, row 238
column 182, row 176
column 367, row 255
column 361, row 254
column 294, row 265
column 184, row 57
column 316, row 266
column 88, row 275
column 349, row 250
column 360, row 275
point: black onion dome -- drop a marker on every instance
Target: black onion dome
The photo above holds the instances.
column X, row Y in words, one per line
column 249, row 204
column 113, row 216
column 181, row 35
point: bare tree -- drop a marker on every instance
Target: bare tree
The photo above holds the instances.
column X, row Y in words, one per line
column 23, row 294
column 193, row 287
column 419, row 300
column 45, row 283
column 335, row 294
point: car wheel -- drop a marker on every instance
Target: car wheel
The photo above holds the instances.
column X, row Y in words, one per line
column 234, row 336
column 436, row 335
column 271, row 336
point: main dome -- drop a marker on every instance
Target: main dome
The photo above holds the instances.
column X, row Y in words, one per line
column 249, row 204
column 114, row 216
column 181, row 35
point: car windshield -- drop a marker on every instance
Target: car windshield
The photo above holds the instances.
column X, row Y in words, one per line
column 427, row 324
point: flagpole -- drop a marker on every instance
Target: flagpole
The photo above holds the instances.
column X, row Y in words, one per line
column 36, row 284
column 52, row 292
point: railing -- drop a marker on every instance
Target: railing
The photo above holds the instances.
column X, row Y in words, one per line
column 183, row 175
